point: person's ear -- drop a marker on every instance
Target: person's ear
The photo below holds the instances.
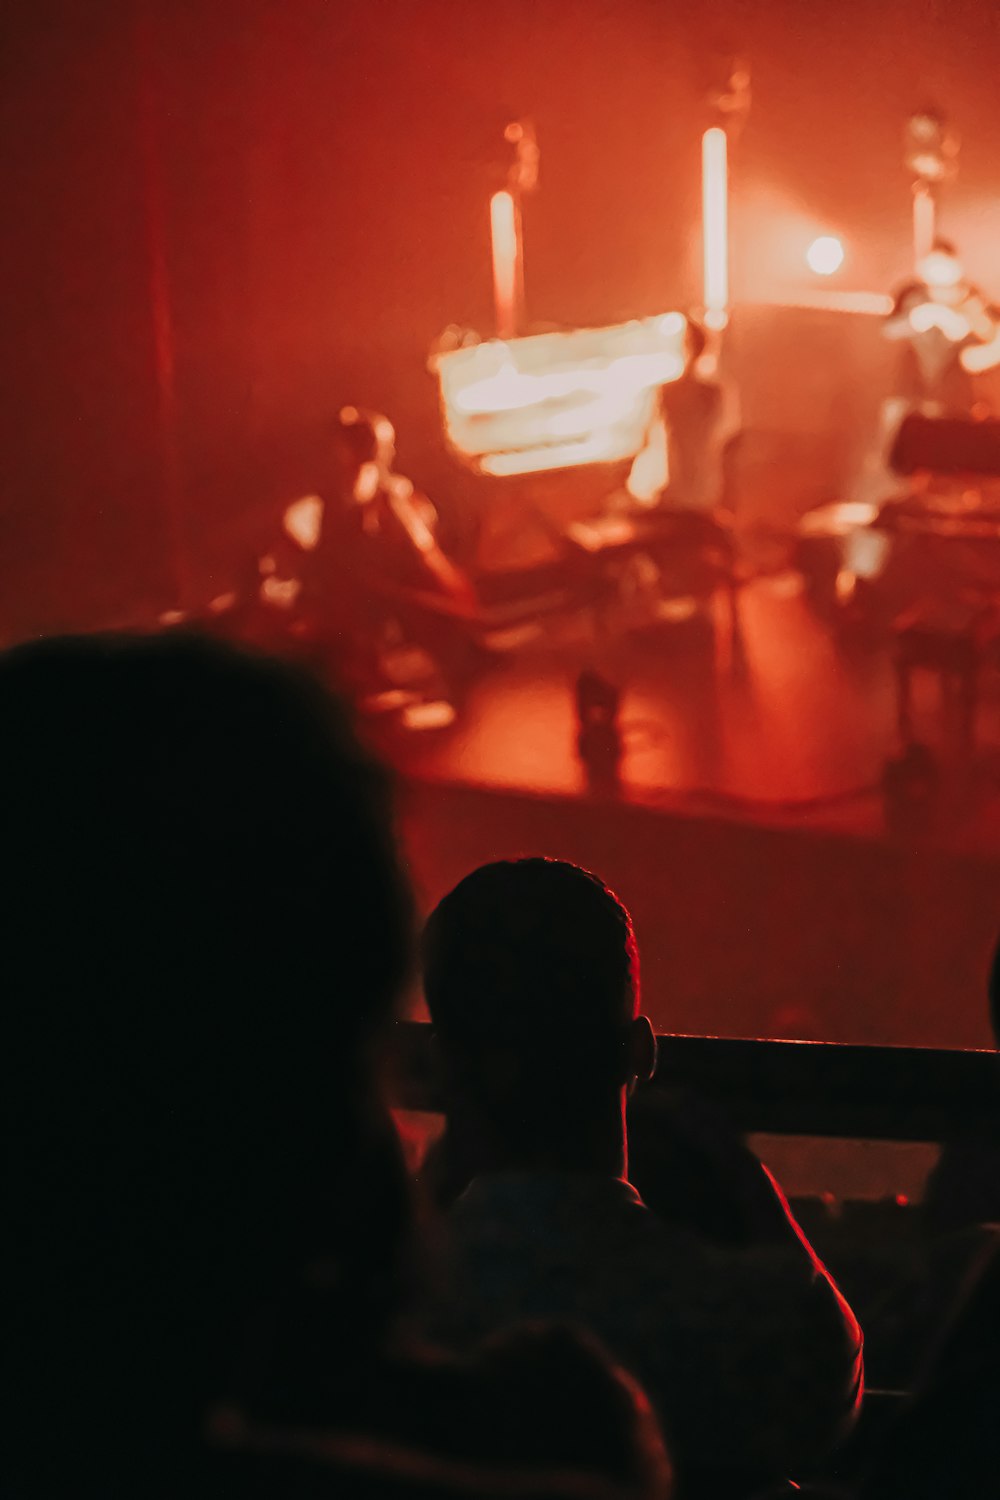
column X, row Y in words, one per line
column 641, row 1050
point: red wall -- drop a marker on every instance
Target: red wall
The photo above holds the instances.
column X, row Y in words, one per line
column 295, row 193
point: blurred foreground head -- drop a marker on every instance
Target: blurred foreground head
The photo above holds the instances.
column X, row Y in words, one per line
column 206, row 929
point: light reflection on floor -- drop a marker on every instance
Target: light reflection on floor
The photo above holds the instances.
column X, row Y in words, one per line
column 794, row 716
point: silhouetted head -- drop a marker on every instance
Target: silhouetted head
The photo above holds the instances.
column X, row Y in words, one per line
column 941, row 268
column 207, row 928
column 364, row 444
column 531, row 975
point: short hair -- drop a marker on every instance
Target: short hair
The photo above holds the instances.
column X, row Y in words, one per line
column 528, row 951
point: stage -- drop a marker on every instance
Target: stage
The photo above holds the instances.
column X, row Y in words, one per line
column 748, row 836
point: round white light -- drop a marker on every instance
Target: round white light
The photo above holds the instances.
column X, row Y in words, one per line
column 825, row 255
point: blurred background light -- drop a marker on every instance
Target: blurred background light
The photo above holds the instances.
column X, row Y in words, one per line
column 825, row 255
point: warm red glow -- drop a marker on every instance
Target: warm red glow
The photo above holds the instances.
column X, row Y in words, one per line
column 559, row 400
column 281, row 593
column 981, row 357
column 503, row 225
column 715, row 225
column 838, row 519
column 438, row 714
column 953, row 324
column 825, row 255
column 940, row 269
column 303, row 521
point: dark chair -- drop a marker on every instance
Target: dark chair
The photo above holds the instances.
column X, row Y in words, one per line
column 954, row 641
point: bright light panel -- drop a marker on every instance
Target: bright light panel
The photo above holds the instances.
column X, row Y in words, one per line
column 559, row 400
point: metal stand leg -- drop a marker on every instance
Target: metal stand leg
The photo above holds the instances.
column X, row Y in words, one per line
column 968, row 704
column 904, row 702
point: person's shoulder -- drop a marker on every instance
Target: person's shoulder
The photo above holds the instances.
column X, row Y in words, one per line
column 653, row 1250
column 692, row 1278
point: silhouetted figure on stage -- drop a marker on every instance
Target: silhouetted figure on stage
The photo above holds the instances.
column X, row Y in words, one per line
column 939, row 320
column 372, row 566
column 700, row 414
column 936, row 317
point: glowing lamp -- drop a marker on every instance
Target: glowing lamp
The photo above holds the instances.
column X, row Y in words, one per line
column 825, row 255
column 715, row 226
column 558, row 400
column 506, row 250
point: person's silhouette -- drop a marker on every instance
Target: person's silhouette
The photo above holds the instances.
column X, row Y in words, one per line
column 205, row 929
column 751, row 1357
column 206, row 926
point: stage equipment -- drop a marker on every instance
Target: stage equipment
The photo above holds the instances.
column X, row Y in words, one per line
column 599, row 742
column 506, row 229
column 954, row 641
column 558, row 400
column 715, row 226
column 728, row 98
column 946, row 446
column 911, row 792
column 506, row 240
column 931, row 156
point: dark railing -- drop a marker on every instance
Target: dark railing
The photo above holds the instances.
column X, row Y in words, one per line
column 791, row 1088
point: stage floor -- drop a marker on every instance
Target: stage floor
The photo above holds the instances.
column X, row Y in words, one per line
column 792, row 727
column 748, row 838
